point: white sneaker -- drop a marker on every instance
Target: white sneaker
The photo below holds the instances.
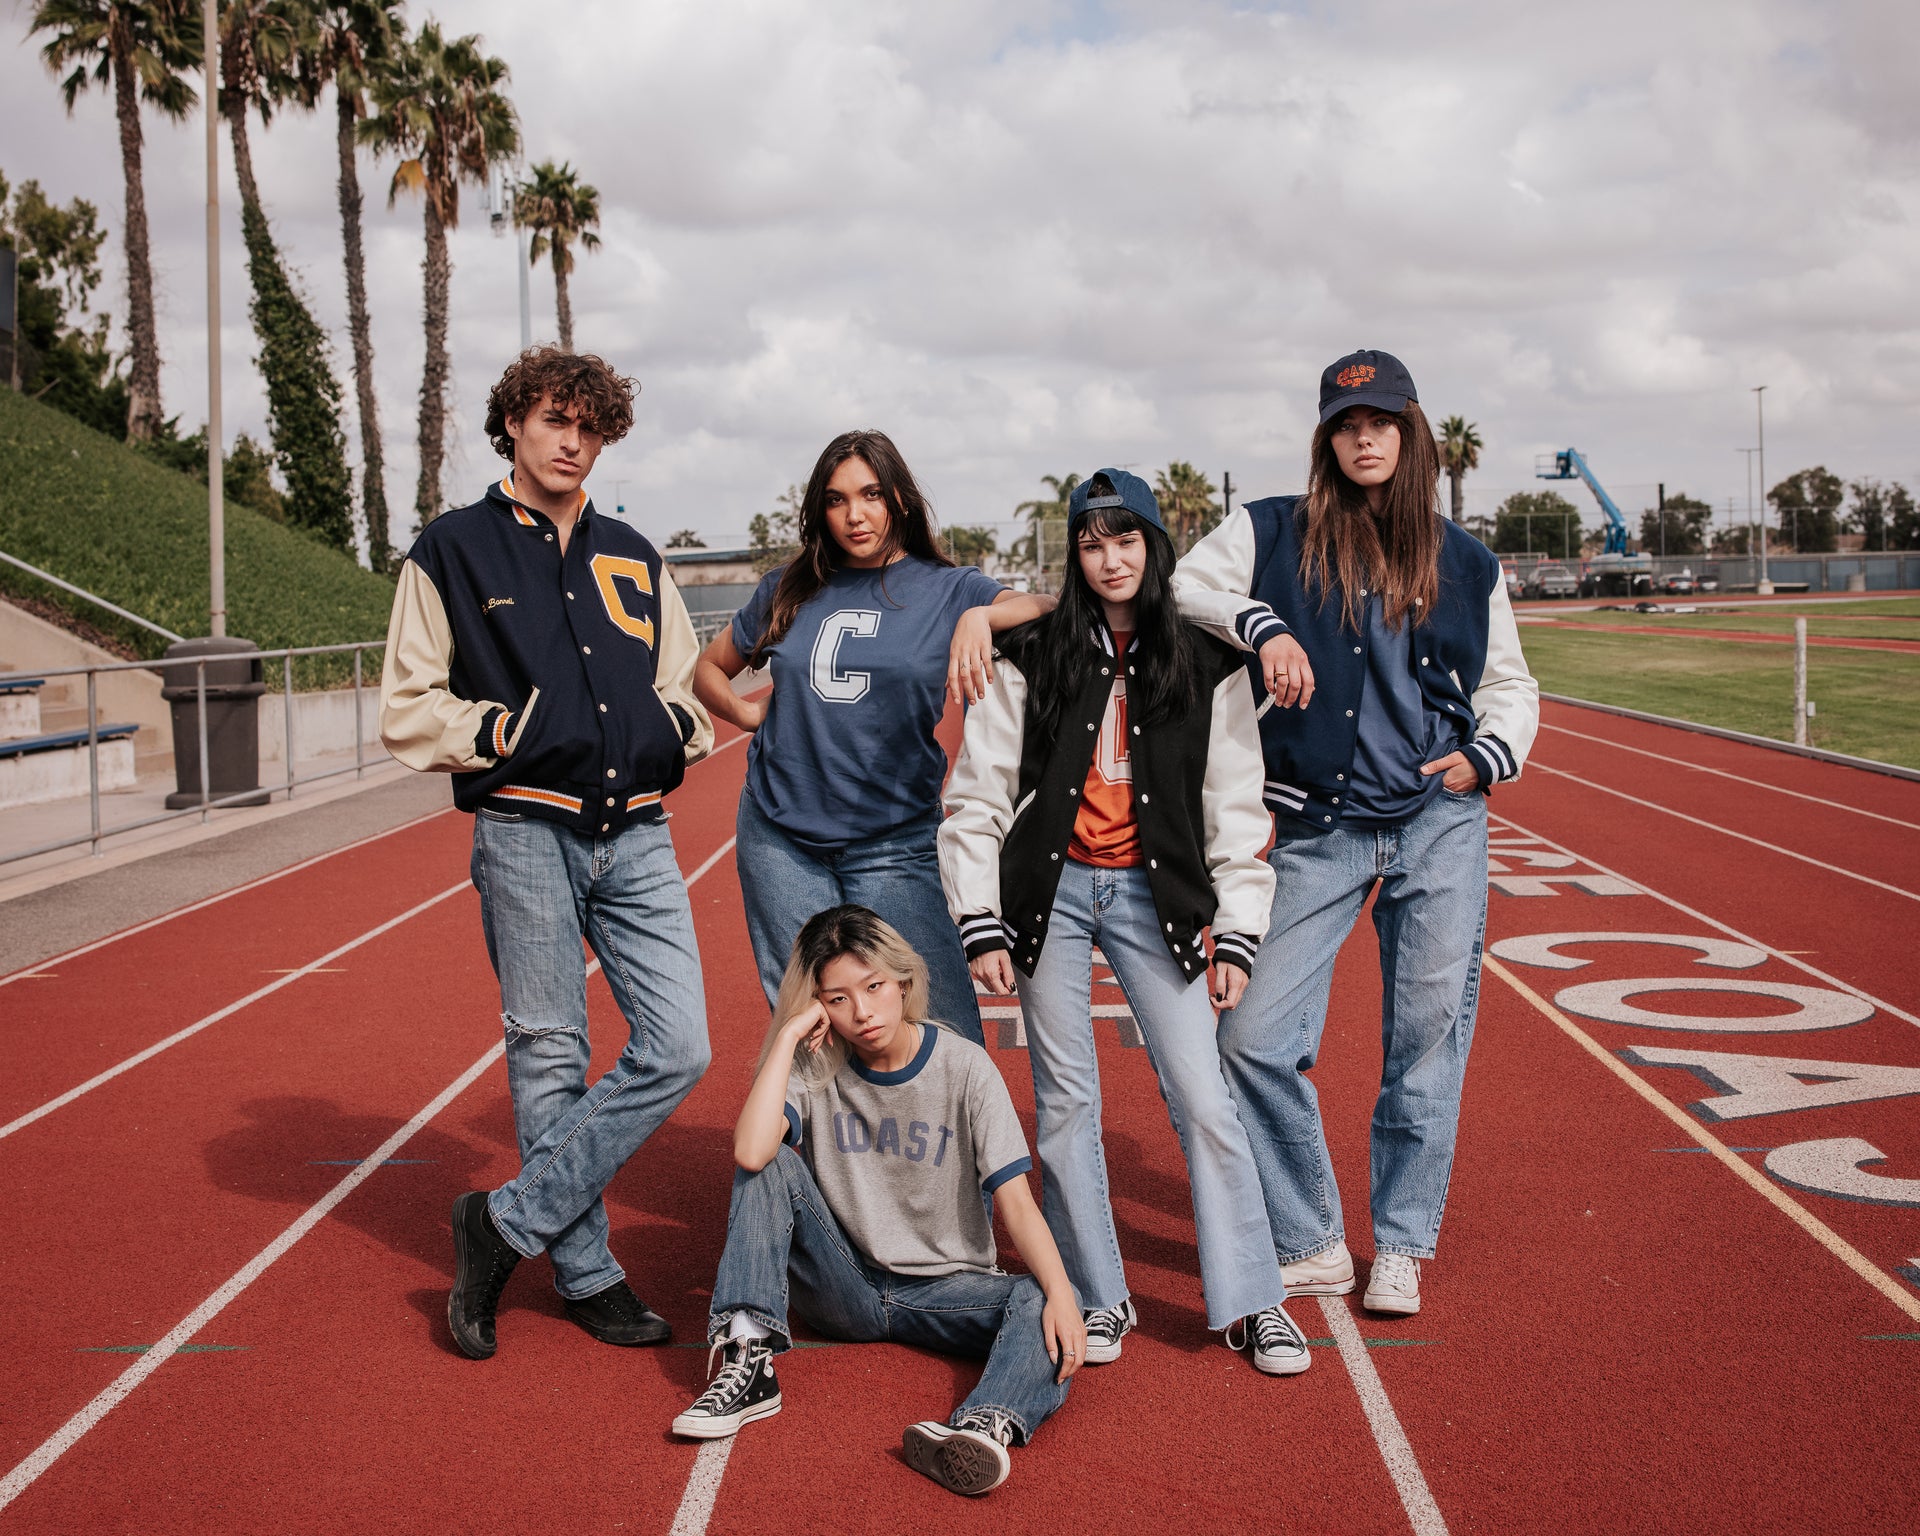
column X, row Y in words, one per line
column 1325, row 1274
column 1106, row 1328
column 1393, row 1285
column 969, row 1457
column 1279, row 1347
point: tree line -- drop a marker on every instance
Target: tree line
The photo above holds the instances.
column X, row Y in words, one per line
column 434, row 102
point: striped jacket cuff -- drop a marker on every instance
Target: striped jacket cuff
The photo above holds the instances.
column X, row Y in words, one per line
column 1257, row 625
column 1492, row 759
column 1235, row 949
column 496, row 730
column 981, row 934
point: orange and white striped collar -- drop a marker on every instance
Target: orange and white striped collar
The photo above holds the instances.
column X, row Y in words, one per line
column 525, row 515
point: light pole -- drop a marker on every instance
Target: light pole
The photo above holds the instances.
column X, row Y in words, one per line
column 1763, row 587
column 216, row 486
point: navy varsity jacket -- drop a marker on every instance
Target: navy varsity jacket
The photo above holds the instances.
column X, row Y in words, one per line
column 549, row 685
column 1242, row 583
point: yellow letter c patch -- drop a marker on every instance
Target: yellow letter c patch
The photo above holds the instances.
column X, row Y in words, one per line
column 606, row 569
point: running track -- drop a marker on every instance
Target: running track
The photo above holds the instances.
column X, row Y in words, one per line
column 1642, row 1319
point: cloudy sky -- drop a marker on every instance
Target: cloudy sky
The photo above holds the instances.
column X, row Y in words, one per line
column 1031, row 237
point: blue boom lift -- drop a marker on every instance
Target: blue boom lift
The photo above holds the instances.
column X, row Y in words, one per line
column 1613, row 572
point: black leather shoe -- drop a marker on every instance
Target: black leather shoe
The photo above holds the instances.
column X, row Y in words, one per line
column 617, row 1316
column 482, row 1260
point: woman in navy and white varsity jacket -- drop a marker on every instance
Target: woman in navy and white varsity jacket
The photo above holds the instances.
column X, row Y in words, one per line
column 1400, row 697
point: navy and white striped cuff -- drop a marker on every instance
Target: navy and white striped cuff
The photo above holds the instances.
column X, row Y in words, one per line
column 1491, row 759
column 1235, row 949
column 981, row 934
column 1256, row 626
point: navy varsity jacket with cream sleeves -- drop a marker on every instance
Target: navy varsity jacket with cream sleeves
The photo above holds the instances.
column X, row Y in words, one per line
column 550, row 685
column 1242, row 583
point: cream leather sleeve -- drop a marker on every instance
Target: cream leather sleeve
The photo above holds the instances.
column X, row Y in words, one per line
column 1506, row 705
column 425, row 725
column 673, row 667
column 1237, row 823
column 979, row 796
column 1210, row 587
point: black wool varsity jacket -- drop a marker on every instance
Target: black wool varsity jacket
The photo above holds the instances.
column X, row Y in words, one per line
column 1013, row 798
column 549, row 685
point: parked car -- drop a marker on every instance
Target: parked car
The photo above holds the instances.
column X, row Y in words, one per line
column 1511, row 577
column 1680, row 585
column 1550, row 579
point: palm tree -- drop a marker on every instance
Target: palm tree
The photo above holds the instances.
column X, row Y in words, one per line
column 438, row 101
column 1186, row 502
column 262, row 46
column 351, row 40
column 141, row 48
column 1032, row 548
column 1460, row 447
column 559, row 208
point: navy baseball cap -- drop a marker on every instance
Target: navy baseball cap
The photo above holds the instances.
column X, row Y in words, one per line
column 1129, row 491
column 1366, row 377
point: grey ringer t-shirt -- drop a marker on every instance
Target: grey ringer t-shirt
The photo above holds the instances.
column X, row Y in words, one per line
column 903, row 1156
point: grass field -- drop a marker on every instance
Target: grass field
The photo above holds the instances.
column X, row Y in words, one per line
column 101, row 516
column 1868, row 702
column 1896, row 618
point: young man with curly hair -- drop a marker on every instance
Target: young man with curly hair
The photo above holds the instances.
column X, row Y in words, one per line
column 540, row 654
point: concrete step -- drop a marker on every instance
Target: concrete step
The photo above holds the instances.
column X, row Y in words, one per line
column 59, row 773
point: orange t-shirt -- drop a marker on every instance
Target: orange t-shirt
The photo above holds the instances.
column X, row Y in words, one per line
column 1105, row 832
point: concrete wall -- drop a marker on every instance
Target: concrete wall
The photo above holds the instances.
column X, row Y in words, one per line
column 34, row 777
column 322, row 727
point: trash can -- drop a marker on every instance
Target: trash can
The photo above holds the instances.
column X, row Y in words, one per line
column 234, row 683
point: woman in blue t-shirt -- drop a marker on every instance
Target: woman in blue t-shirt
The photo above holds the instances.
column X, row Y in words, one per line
column 866, row 631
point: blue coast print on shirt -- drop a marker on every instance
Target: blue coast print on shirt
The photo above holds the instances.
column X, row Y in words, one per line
column 859, row 683
column 852, row 1134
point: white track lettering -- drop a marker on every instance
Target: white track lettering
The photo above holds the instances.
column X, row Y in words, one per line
column 1772, row 1085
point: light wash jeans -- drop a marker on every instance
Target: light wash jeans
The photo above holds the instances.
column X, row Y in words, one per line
column 1114, row 908
column 1431, row 915
column 781, row 1231
column 897, row 875
column 543, row 886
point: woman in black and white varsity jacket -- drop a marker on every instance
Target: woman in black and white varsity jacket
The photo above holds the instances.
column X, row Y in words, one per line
column 1107, row 792
column 1400, row 697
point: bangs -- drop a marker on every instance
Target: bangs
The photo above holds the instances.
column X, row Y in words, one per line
column 1111, row 523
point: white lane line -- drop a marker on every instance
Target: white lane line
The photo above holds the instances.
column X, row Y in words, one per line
column 63, row 1439
column 1811, row 1224
column 254, row 885
column 68, row 1434
column 224, row 1013
column 1395, row 1449
column 1786, row 955
column 1832, row 869
column 251, row 885
column 703, row 1488
column 1721, row 773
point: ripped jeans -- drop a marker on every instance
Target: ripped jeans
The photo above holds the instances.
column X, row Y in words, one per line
column 544, row 887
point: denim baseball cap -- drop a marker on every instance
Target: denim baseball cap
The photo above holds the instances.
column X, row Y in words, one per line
column 1129, row 491
column 1366, row 377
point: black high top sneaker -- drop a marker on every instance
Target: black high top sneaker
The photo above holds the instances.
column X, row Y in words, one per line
column 482, row 1260
column 968, row 1456
column 743, row 1390
column 617, row 1316
column 1106, row 1327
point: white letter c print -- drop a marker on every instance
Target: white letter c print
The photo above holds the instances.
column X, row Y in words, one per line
column 833, row 685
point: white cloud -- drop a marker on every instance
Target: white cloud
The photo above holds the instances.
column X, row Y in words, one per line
column 1026, row 239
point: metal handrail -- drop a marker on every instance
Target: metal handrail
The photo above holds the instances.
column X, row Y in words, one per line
column 94, row 598
column 208, row 802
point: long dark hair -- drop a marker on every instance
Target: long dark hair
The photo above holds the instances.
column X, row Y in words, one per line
column 1345, row 549
column 910, row 529
column 1057, row 657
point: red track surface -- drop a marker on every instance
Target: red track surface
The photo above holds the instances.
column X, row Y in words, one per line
column 1620, row 1334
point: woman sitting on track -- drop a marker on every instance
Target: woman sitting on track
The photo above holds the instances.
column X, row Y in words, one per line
column 866, row 629
column 866, row 1142
column 1107, row 793
column 1389, row 627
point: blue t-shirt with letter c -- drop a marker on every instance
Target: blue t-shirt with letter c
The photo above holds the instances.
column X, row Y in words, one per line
column 859, row 682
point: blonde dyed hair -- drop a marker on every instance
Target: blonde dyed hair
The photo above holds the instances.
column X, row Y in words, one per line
column 848, row 930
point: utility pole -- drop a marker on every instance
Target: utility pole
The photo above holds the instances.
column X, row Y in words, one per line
column 216, row 487
column 1752, row 535
column 1226, row 494
column 1663, row 519
column 1763, row 587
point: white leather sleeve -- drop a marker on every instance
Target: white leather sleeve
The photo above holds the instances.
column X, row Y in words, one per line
column 979, row 795
column 1506, row 705
column 423, row 723
column 1211, row 582
column 1237, row 823
column 673, row 666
